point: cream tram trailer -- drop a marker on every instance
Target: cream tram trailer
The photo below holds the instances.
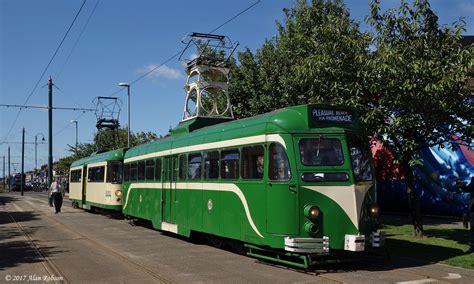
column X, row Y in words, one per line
column 96, row 181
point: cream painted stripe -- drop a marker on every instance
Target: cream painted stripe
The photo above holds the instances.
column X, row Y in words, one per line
column 98, row 164
column 140, row 185
column 76, row 168
column 213, row 145
column 342, row 195
column 202, row 186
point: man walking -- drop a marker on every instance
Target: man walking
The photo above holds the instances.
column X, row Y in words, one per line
column 57, row 193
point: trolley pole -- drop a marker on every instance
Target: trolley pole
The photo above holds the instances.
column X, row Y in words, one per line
column 22, row 161
column 50, row 135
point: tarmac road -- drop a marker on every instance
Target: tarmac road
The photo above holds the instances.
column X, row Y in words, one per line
column 75, row 246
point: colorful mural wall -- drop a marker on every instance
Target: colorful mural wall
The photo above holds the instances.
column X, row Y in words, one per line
column 434, row 180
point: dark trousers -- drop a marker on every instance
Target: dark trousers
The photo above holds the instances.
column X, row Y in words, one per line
column 471, row 229
column 57, row 200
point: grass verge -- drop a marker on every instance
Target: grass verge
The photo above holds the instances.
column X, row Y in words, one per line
column 439, row 244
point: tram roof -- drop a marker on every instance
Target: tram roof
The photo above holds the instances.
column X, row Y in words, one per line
column 293, row 119
column 112, row 155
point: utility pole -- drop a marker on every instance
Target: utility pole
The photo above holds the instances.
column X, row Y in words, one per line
column 22, row 181
column 9, row 176
column 36, row 149
column 50, row 134
column 4, row 181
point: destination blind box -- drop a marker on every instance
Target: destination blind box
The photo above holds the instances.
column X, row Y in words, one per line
column 326, row 115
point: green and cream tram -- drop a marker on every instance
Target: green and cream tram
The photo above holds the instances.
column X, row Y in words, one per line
column 291, row 184
column 96, row 181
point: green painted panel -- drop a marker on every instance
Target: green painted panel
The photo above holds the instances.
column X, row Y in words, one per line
column 196, row 208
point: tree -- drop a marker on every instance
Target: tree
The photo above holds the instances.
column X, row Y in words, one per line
column 420, row 95
column 107, row 140
column 408, row 80
column 318, row 56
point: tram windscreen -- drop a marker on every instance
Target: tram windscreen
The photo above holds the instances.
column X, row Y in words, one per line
column 360, row 157
column 320, row 151
column 114, row 172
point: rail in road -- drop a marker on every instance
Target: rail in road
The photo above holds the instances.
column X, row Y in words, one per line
column 76, row 246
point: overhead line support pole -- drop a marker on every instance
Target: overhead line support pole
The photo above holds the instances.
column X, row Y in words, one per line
column 50, row 135
column 9, row 175
column 22, row 181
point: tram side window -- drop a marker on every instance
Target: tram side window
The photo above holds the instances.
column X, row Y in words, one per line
column 194, row 166
column 360, row 157
column 150, row 170
column 76, row 176
column 96, row 174
column 252, row 162
column 182, row 167
column 126, row 172
column 278, row 165
column 230, row 164
column 133, row 171
column 141, row 170
column 211, row 165
column 114, row 172
column 158, row 169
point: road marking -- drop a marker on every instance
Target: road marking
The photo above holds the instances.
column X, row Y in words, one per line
column 427, row 280
column 453, row 276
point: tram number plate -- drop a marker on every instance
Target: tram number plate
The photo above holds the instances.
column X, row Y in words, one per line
column 331, row 115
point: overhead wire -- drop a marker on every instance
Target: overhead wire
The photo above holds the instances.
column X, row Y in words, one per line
column 66, row 126
column 77, row 40
column 146, row 73
column 181, row 50
column 45, row 69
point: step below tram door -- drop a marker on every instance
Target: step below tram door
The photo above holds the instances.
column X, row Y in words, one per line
column 169, row 190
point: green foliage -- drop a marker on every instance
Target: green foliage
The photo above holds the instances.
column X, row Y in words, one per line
column 408, row 79
column 318, row 56
column 420, row 94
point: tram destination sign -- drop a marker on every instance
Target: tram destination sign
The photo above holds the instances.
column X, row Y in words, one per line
column 331, row 115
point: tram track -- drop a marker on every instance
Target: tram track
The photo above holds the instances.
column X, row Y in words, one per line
column 46, row 262
column 361, row 265
column 109, row 251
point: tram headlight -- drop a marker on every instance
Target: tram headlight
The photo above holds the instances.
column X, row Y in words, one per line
column 118, row 193
column 374, row 210
column 310, row 228
column 311, row 212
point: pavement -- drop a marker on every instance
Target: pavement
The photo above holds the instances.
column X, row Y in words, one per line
column 75, row 246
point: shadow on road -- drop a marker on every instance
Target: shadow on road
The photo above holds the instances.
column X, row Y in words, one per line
column 15, row 247
column 16, row 253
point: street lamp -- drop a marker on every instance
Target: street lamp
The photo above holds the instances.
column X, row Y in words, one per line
column 127, row 85
column 75, row 121
column 36, row 146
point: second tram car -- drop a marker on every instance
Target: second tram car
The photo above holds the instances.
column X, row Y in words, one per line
column 96, row 181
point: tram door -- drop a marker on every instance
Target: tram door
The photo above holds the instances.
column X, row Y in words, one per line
column 84, row 184
column 169, row 188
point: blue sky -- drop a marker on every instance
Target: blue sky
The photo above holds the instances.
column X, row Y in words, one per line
column 121, row 41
